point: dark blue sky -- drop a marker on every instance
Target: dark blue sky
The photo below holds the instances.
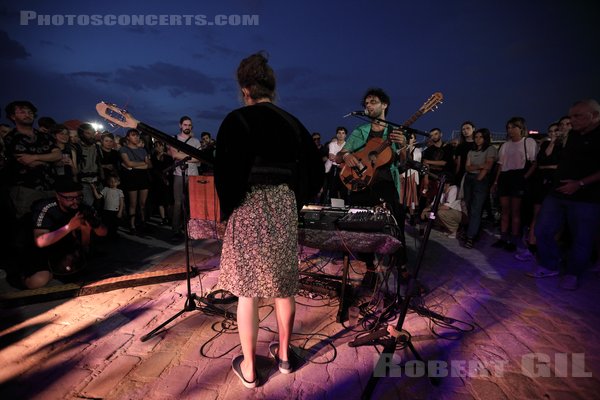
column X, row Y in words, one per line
column 491, row 59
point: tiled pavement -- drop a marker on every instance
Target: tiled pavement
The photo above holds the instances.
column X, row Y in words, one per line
column 529, row 339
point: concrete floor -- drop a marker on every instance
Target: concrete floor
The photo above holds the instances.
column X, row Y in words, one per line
column 510, row 336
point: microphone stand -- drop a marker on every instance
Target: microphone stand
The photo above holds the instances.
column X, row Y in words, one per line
column 404, row 128
column 398, row 334
column 193, row 301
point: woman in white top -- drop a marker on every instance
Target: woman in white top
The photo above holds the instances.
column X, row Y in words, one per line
column 516, row 160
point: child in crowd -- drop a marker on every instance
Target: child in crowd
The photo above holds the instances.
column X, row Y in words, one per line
column 114, row 204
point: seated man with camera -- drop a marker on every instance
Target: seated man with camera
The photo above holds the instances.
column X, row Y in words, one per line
column 62, row 231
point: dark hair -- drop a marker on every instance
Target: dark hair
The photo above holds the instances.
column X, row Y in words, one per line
column 46, row 122
column 487, row 137
column 255, row 74
column 519, row 122
column 435, row 129
column 107, row 135
column 129, row 131
column 84, row 127
column 380, row 94
column 462, row 137
column 184, row 118
column 12, row 107
column 341, row 128
column 56, row 128
column 204, row 134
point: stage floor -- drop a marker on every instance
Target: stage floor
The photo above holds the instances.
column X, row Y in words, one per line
column 519, row 337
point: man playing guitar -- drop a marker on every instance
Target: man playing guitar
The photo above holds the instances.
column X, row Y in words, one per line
column 385, row 185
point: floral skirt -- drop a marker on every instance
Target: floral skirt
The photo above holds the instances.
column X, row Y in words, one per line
column 260, row 247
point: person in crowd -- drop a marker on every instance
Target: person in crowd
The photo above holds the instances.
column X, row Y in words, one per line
column 4, row 130
column 449, row 213
column 90, row 171
column 260, row 200
column 516, row 160
column 62, row 236
column 185, row 135
column 45, row 124
column 207, row 146
column 113, row 205
column 410, row 179
column 574, row 202
column 162, row 181
column 334, row 188
column 109, row 156
column 465, row 145
column 476, row 185
column 564, row 127
column 30, row 155
column 206, row 141
column 541, row 182
column 135, row 163
column 439, row 159
column 67, row 165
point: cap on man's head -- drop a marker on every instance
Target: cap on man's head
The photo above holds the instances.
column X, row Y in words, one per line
column 66, row 185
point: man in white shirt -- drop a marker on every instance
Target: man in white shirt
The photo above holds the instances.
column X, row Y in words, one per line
column 185, row 135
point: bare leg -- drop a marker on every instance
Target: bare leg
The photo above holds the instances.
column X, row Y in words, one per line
column 247, row 320
column 143, row 196
column 285, row 309
column 515, row 213
column 132, row 207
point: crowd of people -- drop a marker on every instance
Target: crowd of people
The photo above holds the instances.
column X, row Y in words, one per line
column 505, row 181
column 65, row 185
column 118, row 182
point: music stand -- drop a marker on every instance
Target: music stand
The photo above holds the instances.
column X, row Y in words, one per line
column 193, row 301
column 398, row 334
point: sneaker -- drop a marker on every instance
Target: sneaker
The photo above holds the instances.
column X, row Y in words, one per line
column 285, row 367
column 236, row 365
column 541, row 272
column 524, row 255
column 569, row 282
column 469, row 243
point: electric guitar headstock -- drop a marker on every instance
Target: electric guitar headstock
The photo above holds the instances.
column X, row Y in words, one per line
column 116, row 115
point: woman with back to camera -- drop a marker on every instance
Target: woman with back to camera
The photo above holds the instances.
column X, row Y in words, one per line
column 266, row 167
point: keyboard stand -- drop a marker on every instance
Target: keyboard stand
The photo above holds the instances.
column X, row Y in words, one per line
column 347, row 242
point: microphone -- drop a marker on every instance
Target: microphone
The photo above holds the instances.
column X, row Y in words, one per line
column 359, row 112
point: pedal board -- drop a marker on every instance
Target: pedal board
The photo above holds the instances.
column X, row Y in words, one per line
column 328, row 287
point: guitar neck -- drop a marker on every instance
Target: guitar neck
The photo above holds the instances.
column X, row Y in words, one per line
column 413, row 118
column 174, row 142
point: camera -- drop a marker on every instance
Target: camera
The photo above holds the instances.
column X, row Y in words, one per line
column 90, row 215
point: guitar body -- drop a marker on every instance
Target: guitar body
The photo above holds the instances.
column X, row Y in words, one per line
column 375, row 154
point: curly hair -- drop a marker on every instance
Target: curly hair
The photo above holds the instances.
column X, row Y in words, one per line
column 255, row 74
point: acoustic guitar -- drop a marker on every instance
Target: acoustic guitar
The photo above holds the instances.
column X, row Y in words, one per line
column 377, row 152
